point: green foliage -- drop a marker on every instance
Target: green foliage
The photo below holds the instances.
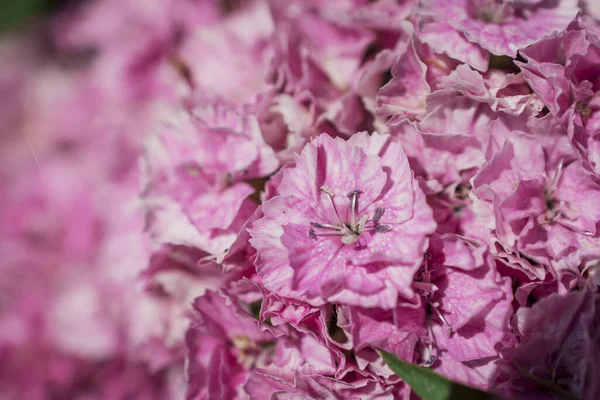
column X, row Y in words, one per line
column 16, row 12
column 431, row 386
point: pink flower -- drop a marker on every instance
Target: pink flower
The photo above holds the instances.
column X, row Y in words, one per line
column 307, row 367
column 186, row 181
column 333, row 232
column 443, row 164
column 64, row 376
column 446, row 144
column 197, row 167
column 224, row 344
column 468, row 30
column 126, row 43
column 468, row 308
column 237, row 47
column 405, row 93
column 502, row 92
column 557, row 347
column 396, row 331
column 560, row 69
column 315, row 51
column 304, row 386
column 73, row 246
column 322, row 77
column 536, row 199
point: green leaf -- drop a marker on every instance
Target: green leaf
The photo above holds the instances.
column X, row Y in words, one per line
column 15, row 12
column 429, row 385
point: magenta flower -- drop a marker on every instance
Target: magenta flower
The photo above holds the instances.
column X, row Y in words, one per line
column 333, row 232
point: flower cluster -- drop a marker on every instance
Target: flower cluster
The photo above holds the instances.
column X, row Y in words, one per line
column 249, row 199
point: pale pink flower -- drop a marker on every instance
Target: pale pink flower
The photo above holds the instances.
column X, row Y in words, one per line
column 406, row 92
column 468, row 29
column 332, row 233
column 196, row 171
column 468, row 308
column 537, row 199
column 315, row 51
column 224, row 343
column 237, row 45
column 73, row 246
column 561, row 70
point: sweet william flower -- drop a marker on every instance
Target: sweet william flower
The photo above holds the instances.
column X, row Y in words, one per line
column 314, row 51
column 504, row 92
column 396, row 331
column 538, row 201
column 197, row 169
column 72, row 311
column 224, row 343
column 349, row 225
column 443, row 163
column 468, row 29
column 555, row 357
column 236, row 46
column 467, row 309
column 561, row 69
column 405, row 93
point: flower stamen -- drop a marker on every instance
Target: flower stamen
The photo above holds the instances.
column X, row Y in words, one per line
column 434, row 306
column 353, row 195
column 329, row 194
column 382, row 228
column 431, row 356
column 351, row 230
column 325, row 226
column 377, row 215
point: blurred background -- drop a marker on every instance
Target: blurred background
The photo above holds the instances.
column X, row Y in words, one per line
column 85, row 309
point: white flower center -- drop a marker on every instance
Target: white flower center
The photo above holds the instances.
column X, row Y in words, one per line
column 349, row 230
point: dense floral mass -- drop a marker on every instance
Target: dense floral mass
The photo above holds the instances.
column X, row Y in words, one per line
column 249, row 199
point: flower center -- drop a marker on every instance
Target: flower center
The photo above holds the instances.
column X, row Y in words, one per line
column 493, row 11
column 349, row 230
column 554, row 208
column 585, row 108
column 247, row 351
